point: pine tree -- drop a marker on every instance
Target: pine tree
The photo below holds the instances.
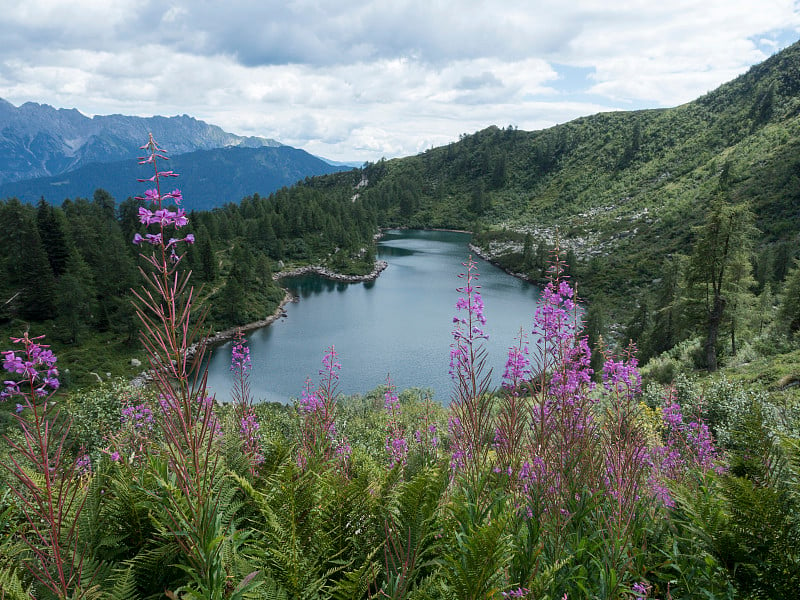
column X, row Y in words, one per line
column 720, row 270
column 527, row 253
column 665, row 326
column 52, row 231
column 76, row 298
column 28, row 272
column 789, row 310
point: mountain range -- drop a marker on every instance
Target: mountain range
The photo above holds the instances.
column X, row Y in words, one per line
column 58, row 153
column 207, row 178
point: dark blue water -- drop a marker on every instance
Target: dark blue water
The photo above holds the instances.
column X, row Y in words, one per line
column 400, row 324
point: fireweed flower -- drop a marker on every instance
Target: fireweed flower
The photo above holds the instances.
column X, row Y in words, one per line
column 35, row 367
column 622, row 376
column 251, row 439
column 518, row 365
column 187, row 423
column 317, row 412
column 135, row 437
column 240, row 355
column 511, row 422
column 641, row 590
column 49, row 489
column 160, row 215
column 83, row 464
column 396, row 444
column 467, row 329
column 139, row 416
column 557, row 453
column 685, row 446
column 471, row 405
column 426, row 438
column 460, row 450
column 248, row 422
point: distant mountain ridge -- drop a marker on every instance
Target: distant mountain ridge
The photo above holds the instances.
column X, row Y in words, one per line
column 37, row 140
column 208, row 178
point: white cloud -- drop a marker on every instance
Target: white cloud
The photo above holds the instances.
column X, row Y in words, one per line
column 357, row 80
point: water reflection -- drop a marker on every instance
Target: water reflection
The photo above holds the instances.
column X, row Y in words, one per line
column 391, row 251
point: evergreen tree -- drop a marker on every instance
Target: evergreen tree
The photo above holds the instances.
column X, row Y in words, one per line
column 52, row 231
column 664, row 330
column 232, row 305
column 128, row 218
column 207, row 261
column 540, row 261
column 527, row 253
column 113, row 292
column 28, row 271
column 76, row 299
column 782, row 260
column 766, row 307
column 593, row 328
column 105, row 202
column 638, row 325
column 789, row 310
column 480, row 199
column 719, row 271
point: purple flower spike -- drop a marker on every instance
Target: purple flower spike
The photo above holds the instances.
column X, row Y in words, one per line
column 159, row 216
column 396, row 444
column 36, row 367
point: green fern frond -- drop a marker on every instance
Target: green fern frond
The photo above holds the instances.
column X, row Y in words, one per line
column 122, row 585
column 12, row 587
column 473, row 567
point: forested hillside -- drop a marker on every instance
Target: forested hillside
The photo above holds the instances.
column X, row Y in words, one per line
column 624, row 188
column 67, row 271
column 628, row 196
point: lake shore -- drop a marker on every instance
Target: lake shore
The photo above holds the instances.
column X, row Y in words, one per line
column 488, row 258
column 228, row 334
column 478, row 251
column 380, row 265
column 225, row 335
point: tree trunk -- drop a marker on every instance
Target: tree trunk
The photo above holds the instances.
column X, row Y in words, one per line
column 714, row 320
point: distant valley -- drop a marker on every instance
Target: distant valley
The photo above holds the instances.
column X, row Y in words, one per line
column 208, row 178
column 61, row 153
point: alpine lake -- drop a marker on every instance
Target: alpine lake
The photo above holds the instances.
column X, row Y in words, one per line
column 399, row 325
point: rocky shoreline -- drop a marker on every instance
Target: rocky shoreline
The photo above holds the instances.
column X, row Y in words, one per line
column 225, row 335
column 488, row 258
column 380, row 265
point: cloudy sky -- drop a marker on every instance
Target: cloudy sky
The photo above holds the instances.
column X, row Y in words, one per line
column 358, row 80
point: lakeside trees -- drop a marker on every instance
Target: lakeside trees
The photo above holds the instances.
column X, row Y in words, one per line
column 70, row 268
